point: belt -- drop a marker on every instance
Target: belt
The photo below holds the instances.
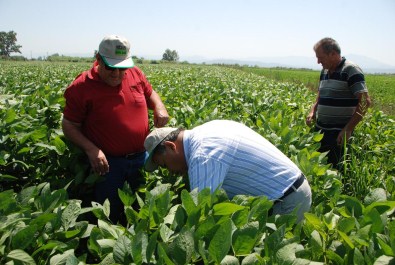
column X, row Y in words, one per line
column 294, row 186
column 132, row 156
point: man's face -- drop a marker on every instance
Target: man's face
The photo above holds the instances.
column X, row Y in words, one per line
column 171, row 159
column 111, row 76
column 326, row 60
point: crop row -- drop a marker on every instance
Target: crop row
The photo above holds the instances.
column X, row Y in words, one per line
column 43, row 221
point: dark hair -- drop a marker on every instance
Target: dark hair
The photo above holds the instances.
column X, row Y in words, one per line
column 328, row 45
column 160, row 148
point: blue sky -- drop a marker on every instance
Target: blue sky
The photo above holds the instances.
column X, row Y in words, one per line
column 226, row 29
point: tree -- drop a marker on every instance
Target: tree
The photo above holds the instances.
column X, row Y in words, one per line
column 171, row 56
column 8, row 43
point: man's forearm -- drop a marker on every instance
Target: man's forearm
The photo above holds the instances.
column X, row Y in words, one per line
column 362, row 107
column 72, row 131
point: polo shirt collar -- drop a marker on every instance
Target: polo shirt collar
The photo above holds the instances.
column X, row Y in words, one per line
column 341, row 64
column 93, row 74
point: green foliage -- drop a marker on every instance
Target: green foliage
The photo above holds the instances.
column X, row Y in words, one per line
column 170, row 56
column 8, row 43
column 351, row 219
column 381, row 86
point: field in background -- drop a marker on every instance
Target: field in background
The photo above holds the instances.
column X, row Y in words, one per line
column 381, row 87
column 43, row 179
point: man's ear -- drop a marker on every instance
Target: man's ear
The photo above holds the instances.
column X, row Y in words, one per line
column 171, row 145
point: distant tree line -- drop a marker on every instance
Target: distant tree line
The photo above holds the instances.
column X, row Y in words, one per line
column 8, row 45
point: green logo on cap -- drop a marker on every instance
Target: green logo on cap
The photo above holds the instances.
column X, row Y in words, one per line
column 120, row 50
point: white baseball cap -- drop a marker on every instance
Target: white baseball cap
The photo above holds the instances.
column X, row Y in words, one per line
column 151, row 142
column 115, row 52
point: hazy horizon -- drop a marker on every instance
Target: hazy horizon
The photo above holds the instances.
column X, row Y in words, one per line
column 231, row 29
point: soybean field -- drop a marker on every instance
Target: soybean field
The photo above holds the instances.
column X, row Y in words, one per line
column 42, row 175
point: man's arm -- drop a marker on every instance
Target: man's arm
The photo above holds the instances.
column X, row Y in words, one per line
column 364, row 103
column 161, row 117
column 311, row 116
column 97, row 159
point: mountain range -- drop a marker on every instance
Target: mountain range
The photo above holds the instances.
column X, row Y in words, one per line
column 367, row 64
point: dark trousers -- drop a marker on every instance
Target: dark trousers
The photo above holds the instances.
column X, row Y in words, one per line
column 121, row 170
column 329, row 143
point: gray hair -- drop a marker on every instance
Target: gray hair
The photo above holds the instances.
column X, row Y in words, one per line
column 328, row 45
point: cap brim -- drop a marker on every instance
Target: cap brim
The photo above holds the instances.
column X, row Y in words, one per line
column 116, row 63
column 149, row 165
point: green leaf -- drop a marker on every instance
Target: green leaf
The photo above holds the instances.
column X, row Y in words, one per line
column 19, row 255
column 126, row 195
column 70, row 215
column 358, row 257
column 109, row 231
column 318, row 137
column 139, row 246
column 6, row 177
column 8, row 202
column 10, row 115
column 165, row 232
column 206, row 228
column 353, row 205
column 152, row 243
column 287, row 255
column 346, row 239
column 331, row 255
column 121, row 251
column 220, row 244
column 163, row 255
column 65, row 258
column 313, row 220
column 387, row 250
column 330, row 220
column 273, row 241
column 107, row 260
column 24, row 237
column 381, row 207
column 230, row 260
column 42, row 219
column 106, row 245
column 53, row 244
column 252, row 259
column 316, row 244
column 240, row 218
column 60, row 146
column 226, row 208
column 347, row 224
column 373, row 217
column 376, row 195
column 187, row 202
column 384, row 260
column 162, row 204
column 182, row 248
column 244, row 238
column 391, row 233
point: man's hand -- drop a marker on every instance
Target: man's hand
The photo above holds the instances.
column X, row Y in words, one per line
column 310, row 118
column 161, row 117
column 98, row 162
column 343, row 136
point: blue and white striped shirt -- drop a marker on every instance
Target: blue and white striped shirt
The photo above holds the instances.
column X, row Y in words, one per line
column 229, row 155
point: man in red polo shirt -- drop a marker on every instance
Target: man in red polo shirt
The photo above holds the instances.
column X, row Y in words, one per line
column 106, row 114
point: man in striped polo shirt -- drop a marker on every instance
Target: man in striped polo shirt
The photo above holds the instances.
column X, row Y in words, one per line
column 228, row 155
column 342, row 99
